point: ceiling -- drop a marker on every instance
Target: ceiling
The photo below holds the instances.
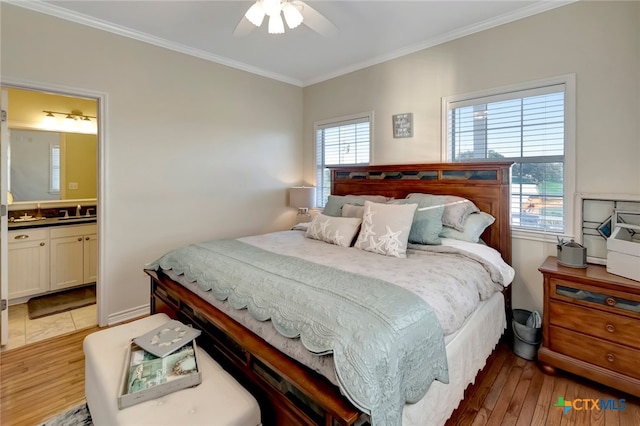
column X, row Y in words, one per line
column 369, row 32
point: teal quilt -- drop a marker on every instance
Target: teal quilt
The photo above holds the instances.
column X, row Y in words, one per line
column 386, row 342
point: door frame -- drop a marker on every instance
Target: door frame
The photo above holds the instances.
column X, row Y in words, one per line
column 4, row 244
column 101, row 210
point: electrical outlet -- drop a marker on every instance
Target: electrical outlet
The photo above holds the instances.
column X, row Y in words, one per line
column 73, row 185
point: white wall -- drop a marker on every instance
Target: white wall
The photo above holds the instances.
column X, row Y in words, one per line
column 192, row 150
column 598, row 41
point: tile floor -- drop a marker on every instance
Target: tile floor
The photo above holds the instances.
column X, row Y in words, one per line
column 23, row 331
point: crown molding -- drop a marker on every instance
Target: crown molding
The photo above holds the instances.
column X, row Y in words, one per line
column 522, row 13
column 59, row 12
column 79, row 18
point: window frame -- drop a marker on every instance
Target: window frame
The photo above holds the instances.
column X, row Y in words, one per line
column 53, row 169
column 337, row 122
column 569, row 82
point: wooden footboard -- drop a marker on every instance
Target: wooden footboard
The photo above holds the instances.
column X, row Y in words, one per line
column 288, row 392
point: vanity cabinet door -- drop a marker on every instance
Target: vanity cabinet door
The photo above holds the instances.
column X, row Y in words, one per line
column 90, row 258
column 67, row 262
column 28, row 260
column 74, row 256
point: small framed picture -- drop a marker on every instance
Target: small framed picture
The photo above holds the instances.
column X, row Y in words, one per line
column 403, row 125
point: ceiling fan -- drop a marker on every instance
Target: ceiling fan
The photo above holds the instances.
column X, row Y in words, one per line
column 295, row 12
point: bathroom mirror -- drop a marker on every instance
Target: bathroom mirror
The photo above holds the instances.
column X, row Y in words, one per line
column 48, row 165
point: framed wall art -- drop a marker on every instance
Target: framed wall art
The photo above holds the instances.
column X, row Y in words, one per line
column 596, row 215
column 403, row 125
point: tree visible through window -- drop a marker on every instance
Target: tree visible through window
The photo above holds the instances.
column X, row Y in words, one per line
column 342, row 141
column 528, row 127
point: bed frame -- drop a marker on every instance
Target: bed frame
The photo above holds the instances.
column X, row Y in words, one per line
column 288, row 392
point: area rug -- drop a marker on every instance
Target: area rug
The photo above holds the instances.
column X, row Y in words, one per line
column 78, row 416
column 62, row 301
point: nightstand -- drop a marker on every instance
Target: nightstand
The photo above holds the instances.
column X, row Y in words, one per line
column 591, row 325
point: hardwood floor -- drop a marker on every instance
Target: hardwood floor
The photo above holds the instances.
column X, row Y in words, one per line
column 42, row 379
column 514, row 391
column 47, row 378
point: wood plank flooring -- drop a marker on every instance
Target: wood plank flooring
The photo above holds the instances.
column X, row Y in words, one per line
column 44, row 379
column 514, row 391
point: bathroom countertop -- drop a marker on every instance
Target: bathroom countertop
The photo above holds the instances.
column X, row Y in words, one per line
column 53, row 221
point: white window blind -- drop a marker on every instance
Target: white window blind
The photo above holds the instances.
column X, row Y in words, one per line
column 528, row 127
column 54, row 185
column 342, row 141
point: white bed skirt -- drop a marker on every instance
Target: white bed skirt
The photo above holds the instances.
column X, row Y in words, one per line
column 467, row 353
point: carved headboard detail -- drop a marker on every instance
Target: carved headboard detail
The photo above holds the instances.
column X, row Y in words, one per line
column 484, row 183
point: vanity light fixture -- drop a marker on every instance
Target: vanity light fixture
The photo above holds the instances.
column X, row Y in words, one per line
column 73, row 121
column 49, row 119
column 73, row 115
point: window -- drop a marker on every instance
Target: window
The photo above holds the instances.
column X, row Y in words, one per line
column 341, row 141
column 54, row 184
column 530, row 125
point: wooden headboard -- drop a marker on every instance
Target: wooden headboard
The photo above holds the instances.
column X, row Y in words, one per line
column 485, row 183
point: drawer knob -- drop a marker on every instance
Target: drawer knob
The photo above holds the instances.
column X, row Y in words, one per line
column 611, row 357
column 610, row 328
column 20, row 237
column 611, row 301
column 42, row 244
column 79, row 238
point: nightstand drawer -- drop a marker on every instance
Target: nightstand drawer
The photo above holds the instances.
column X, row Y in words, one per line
column 610, row 300
column 595, row 351
column 596, row 323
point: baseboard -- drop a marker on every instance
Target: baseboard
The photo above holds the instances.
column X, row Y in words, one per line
column 128, row 315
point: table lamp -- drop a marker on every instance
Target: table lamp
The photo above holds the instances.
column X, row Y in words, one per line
column 302, row 198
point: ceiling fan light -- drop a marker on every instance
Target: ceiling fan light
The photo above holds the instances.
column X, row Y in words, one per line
column 276, row 26
column 292, row 15
column 255, row 14
column 271, row 7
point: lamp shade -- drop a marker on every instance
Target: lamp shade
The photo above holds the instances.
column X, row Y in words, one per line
column 292, row 15
column 302, row 196
column 276, row 26
column 255, row 14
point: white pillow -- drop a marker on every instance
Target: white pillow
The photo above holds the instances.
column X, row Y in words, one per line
column 385, row 228
column 334, row 230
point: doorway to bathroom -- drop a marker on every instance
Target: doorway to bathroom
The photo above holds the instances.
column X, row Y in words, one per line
column 51, row 155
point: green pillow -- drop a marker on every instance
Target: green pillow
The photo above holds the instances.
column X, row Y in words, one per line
column 427, row 220
column 474, row 226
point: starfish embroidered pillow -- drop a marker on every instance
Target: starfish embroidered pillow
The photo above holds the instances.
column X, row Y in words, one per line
column 334, row 230
column 385, row 228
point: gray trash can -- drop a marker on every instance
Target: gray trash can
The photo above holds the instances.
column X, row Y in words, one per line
column 526, row 339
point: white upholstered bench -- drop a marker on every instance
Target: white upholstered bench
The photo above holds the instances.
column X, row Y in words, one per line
column 218, row 400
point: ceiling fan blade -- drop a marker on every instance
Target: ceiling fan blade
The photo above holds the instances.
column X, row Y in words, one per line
column 243, row 28
column 315, row 20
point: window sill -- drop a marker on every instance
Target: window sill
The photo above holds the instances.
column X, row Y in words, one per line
column 541, row 236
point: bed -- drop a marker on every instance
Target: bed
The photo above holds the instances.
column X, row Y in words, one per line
column 294, row 386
